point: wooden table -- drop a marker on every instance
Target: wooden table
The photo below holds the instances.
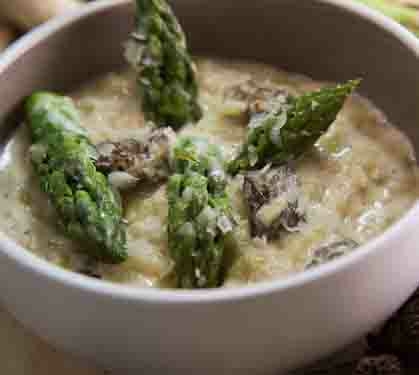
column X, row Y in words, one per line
column 21, row 353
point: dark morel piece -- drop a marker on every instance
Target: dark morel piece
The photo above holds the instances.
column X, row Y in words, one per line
column 250, row 98
column 62, row 156
column 271, row 195
column 291, row 128
column 90, row 272
column 331, row 251
column 379, row 365
column 200, row 216
column 166, row 75
column 132, row 161
column 400, row 335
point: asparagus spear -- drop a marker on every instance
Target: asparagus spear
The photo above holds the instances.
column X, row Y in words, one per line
column 88, row 209
column 291, row 128
column 196, row 154
column 199, row 214
column 166, row 76
column 406, row 16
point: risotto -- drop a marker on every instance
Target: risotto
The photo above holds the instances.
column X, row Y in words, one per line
column 351, row 186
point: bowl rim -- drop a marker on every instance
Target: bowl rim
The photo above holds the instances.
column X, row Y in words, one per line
column 30, row 262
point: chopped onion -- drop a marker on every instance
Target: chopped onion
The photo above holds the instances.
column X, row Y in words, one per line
column 253, row 155
column 187, row 194
column 217, row 174
column 138, row 36
column 281, row 119
column 276, row 129
column 105, row 149
column 207, row 216
column 122, row 180
column 133, row 52
column 187, row 230
column 217, row 177
column 38, row 152
column 256, row 120
column 276, row 135
column 224, row 224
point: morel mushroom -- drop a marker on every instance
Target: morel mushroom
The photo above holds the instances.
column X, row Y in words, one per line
column 379, row 365
column 400, row 335
column 329, row 252
column 130, row 161
column 271, row 195
column 251, row 98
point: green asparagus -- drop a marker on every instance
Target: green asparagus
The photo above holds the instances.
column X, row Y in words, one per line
column 62, row 156
column 406, row 16
column 200, row 216
column 166, row 76
column 291, row 128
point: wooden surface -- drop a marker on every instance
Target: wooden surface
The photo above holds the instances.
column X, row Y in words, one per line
column 24, row 354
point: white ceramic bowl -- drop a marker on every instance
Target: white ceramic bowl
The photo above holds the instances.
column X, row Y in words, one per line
column 265, row 328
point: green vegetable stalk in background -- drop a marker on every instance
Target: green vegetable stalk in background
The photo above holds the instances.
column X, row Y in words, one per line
column 62, row 156
column 291, row 128
column 166, row 76
column 200, row 216
column 403, row 14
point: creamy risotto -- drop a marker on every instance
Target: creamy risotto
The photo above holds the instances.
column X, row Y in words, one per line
column 360, row 177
